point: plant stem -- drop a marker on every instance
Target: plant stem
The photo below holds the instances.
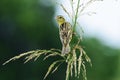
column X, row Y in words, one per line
column 76, row 15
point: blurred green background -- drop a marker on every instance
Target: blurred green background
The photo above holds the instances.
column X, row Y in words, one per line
column 28, row 25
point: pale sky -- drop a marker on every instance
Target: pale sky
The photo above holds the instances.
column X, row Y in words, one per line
column 104, row 25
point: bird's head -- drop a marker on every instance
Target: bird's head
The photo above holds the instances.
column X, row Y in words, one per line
column 60, row 19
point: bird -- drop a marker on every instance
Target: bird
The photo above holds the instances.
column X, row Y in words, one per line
column 65, row 33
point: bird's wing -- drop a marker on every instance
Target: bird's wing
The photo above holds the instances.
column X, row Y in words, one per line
column 66, row 33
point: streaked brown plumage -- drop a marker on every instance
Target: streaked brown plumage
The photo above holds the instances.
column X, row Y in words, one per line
column 65, row 31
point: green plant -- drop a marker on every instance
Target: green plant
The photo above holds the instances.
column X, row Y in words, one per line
column 75, row 59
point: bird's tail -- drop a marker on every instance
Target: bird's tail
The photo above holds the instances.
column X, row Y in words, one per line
column 66, row 49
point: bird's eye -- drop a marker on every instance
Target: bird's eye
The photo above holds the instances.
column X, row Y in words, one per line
column 60, row 17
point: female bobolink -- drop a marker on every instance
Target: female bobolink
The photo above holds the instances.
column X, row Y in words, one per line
column 65, row 32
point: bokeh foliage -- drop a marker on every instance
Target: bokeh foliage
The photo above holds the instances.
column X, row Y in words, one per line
column 28, row 24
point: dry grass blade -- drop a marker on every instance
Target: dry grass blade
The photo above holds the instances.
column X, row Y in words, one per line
column 71, row 68
column 56, row 50
column 76, row 15
column 51, row 55
column 51, row 67
column 57, row 66
column 87, row 4
column 33, row 55
column 41, row 53
column 89, row 13
column 68, row 58
column 37, row 57
column 65, row 10
column 68, row 71
column 75, row 62
column 19, row 56
column 86, row 57
column 73, row 11
column 84, row 71
column 82, row 31
column 79, row 62
column 36, row 54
